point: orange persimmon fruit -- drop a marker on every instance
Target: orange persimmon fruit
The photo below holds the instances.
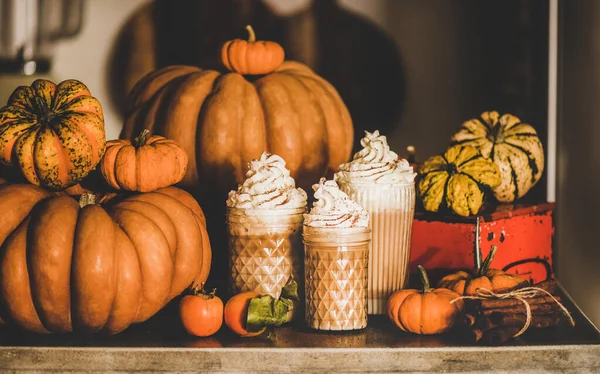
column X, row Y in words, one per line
column 236, row 313
column 201, row 313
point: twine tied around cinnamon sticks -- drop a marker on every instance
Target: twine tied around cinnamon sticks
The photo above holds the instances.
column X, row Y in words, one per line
column 522, row 295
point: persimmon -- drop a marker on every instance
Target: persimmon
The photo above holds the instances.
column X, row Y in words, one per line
column 201, row 313
column 236, row 313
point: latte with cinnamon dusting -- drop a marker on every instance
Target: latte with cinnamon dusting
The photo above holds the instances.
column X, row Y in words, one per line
column 375, row 163
column 264, row 224
column 268, row 185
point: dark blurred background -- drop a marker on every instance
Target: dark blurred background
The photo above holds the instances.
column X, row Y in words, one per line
column 414, row 69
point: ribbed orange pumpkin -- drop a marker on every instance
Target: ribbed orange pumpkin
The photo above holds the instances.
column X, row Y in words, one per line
column 251, row 56
column 431, row 311
column 223, row 121
column 96, row 268
column 494, row 280
column 147, row 164
column 53, row 133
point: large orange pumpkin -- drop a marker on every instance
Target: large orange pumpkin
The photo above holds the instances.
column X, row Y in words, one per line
column 53, row 133
column 223, row 121
column 96, row 268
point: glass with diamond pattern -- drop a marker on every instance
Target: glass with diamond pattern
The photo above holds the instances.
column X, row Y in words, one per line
column 335, row 267
column 265, row 249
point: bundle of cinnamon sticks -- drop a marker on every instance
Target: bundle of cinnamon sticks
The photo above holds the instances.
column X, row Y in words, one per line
column 494, row 321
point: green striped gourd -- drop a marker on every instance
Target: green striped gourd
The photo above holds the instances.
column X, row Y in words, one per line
column 457, row 180
column 513, row 145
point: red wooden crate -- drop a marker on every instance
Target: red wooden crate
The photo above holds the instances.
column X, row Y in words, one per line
column 523, row 234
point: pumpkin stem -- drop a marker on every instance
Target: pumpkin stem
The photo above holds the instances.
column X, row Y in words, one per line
column 424, row 279
column 451, row 168
column 496, row 136
column 251, row 34
column 140, row 141
column 45, row 115
column 87, row 199
column 488, row 261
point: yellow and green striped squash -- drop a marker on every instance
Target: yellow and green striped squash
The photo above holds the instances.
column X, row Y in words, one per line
column 513, row 145
column 457, row 180
column 53, row 133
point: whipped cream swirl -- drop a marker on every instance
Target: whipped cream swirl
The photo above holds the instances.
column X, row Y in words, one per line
column 375, row 163
column 333, row 208
column 268, row 185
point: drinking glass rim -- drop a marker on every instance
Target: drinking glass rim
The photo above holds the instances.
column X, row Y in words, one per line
column 336, row 236
column 352, row 230
column 374, row 183
column 267, row 211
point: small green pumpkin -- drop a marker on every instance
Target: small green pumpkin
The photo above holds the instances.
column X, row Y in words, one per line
column 457, row 180
column 513, row 145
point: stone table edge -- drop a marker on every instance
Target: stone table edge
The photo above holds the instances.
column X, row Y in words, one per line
column 560, row 358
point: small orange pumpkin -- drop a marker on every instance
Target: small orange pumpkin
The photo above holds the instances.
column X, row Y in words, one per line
column 252, row 57
column 494, row 280
column 147, row 164
column 425, row 312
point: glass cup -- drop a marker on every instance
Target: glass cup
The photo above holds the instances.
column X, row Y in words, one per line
column 265, row 249
column 391, row 209
column 335, row 268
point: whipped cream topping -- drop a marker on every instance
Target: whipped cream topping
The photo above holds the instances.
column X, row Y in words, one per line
column 375, row 163
column 268, row 185
column 333, row 208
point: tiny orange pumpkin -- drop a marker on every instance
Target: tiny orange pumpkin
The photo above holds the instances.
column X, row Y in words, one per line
column 430, row 311
column 495, row 280
column 147, row 164
column 252, row 57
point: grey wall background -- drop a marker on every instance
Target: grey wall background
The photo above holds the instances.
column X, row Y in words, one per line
column 578, row 190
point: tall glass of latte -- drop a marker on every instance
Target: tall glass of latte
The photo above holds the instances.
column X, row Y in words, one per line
column 383, row 184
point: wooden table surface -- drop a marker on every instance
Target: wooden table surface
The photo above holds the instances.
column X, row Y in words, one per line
column 161, row 344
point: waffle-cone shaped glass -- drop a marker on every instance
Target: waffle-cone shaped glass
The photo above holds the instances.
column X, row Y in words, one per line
column 335, row 268
column 265, row 249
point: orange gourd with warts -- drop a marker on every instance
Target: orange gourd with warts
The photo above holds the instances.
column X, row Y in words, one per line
column 54, row 134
